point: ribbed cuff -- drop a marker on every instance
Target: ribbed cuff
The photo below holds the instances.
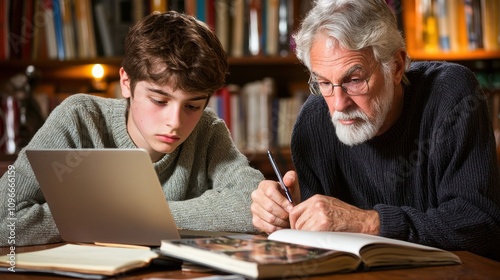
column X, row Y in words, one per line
column 392, row 222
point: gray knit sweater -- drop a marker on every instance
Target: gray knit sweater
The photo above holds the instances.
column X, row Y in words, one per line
column 206, row 180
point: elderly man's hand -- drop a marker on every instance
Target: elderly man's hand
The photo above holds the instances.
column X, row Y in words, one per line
column 324, row 213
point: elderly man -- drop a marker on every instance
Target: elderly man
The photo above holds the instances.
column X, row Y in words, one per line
column 384, row 146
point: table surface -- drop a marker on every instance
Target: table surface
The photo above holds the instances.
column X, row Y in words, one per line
column 473, row 267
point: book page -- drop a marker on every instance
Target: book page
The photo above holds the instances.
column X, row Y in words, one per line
column 341, row 241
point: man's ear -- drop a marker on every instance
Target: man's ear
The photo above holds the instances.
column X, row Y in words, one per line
column 399, row 66
column 125, row 84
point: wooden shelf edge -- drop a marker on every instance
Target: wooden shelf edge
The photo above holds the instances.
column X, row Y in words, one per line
column 454, row 56
column 249, row 60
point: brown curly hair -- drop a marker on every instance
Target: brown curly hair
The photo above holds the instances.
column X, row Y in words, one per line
column 175, row 47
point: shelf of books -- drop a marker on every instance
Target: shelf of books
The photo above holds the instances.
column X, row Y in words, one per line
column 452, row 29
column 63, row 39
column 86, row 29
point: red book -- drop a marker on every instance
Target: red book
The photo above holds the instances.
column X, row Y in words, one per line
column 225, row 105
column 4, row 30
column 210, row 13
column 27, row 29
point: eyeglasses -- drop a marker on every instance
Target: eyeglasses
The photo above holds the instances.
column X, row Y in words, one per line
column 353, row 87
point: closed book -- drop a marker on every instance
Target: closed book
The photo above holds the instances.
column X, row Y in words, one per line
column 238, row 28
column 15, row 38
column 58, row 28
column 201, row 10
column 27, row 30
column 81, row 261
column 104, row 22
column 285, row 17
column 490, row 16
column 159, row 5
column 4, row 30
column 85, row 32
column 50, row 29
column 122, row 21
column 472, row 10
column 223, row 23
column 272, row 27
column 444, row 22
column 255, row 27
column 430, row 31
column 210, row 14
column 68, row 25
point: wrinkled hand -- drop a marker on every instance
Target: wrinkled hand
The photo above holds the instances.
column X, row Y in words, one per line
column 270, row 206
column 325, row 213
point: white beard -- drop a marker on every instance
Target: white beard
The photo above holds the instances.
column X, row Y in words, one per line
column 367, row 127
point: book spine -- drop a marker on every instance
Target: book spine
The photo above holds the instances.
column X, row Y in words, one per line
column 238, row 31
column 58, row 28
column 222, row 23
column 272, row 27
column 443, row 21
column 27, row 29
column 4, row 30
column 158, row 5
column 50, row 32
column 201, row 10
column 15, row 39
column 430, row 26
column 210, row 14
column 285, row 22
column 254, row 44
column 473, row 24
column 103, row 23
column 491, row 24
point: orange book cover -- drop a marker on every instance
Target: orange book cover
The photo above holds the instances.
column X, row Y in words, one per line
column 159, row 5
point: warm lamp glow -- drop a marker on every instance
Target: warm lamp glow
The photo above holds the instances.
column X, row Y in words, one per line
column 97, row 71
column 98, row 81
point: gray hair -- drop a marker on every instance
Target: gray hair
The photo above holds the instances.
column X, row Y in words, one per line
column 354, row 25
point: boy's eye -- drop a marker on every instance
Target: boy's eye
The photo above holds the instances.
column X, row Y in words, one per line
column 193, row 107
column 158, row 102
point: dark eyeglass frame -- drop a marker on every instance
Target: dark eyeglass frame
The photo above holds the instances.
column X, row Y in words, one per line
column 315, row 89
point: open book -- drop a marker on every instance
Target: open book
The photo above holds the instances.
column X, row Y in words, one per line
column 294, row 253
column 82, row 261
column 372, row 251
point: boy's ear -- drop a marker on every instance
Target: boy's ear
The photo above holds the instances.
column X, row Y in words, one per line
column 125, row 83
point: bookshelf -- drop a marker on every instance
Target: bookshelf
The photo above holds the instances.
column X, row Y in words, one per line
column 481, row 57
column 421, row 46
column 64, row 75
column 67, row 77
column 71, row 75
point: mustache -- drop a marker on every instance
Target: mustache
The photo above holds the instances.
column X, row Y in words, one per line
column 349, row 115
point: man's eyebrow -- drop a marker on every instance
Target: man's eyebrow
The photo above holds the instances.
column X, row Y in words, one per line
column 167, row 94
column 353, row 69
column 349, row 72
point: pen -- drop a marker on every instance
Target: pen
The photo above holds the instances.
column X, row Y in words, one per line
column 278, row 174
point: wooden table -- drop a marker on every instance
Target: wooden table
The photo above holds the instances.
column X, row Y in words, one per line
column 473, row 267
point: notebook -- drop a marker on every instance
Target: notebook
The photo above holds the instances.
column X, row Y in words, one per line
column 104, row 195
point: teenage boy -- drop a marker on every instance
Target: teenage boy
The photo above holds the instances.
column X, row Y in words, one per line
column 172, row 65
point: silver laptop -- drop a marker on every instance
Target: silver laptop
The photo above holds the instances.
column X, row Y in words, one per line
column 104, row 195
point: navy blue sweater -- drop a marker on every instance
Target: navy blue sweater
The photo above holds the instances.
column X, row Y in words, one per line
column 433, row 177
